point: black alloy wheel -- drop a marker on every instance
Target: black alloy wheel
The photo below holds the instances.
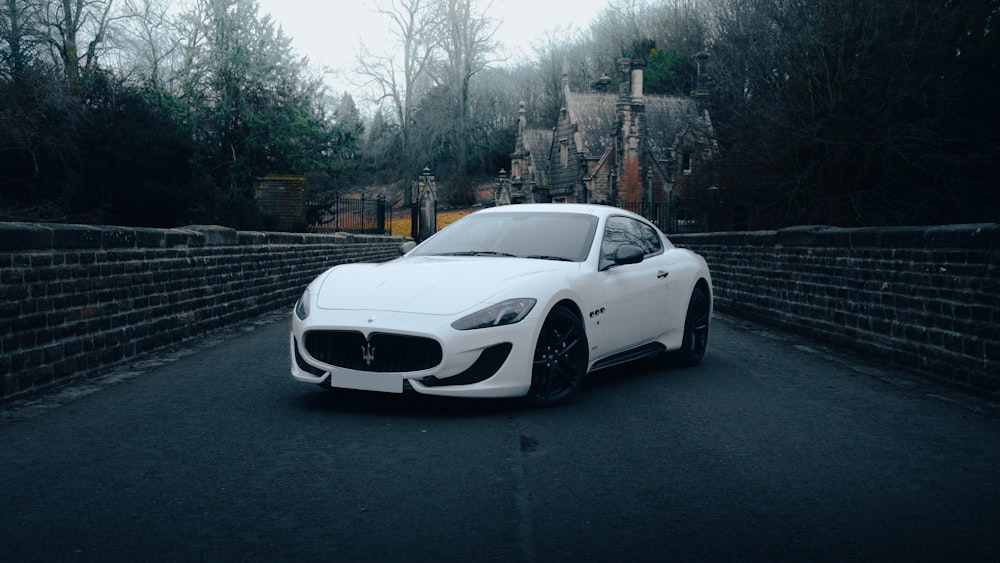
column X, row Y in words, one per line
column 560, row 362
column 695, row 331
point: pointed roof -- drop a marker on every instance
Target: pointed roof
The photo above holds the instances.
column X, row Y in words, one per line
column 594, row 116
column 667, row 118
column 538, row 142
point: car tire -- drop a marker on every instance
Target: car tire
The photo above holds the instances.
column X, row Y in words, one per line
column 696, row 324
column 559, row 364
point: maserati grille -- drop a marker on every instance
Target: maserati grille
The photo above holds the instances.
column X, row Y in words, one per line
column 381, row 352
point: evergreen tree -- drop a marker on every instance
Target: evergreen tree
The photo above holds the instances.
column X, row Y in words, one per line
column 256, row 113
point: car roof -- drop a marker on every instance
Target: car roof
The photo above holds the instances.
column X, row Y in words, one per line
column 582, row 208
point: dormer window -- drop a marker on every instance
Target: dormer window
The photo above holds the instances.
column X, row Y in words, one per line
column 564, row 153
column 686, row 163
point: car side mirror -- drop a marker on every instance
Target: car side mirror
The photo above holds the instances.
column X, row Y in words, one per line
column 406, row 247
column 629, row 254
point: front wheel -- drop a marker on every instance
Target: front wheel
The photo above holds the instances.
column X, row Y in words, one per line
column 559, row 365
column 695, row 331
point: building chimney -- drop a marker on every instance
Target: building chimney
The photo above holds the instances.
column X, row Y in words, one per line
column 638, row 65
column 700, row 91
column 624, row 80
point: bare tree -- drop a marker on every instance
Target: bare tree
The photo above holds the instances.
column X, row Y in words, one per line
column 555, row 56
column 77, row 30
column 396, row 77
column 494, row 124
column 193, row 73
column 147, row 41
column 469, row 48
column 19, row 30
column 615, row 29
column 840, row 112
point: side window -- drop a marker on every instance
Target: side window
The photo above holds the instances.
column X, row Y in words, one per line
column 646, row 238
column 625, row 230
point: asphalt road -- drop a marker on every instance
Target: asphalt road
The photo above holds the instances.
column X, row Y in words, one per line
column 771, row 450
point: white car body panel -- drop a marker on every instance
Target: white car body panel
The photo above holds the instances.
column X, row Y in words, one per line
column 431, row 285
column 621, row 308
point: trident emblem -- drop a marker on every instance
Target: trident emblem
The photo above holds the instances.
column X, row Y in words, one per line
column 368, row 353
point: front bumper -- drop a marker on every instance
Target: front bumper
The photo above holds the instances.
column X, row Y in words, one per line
column 491, row 362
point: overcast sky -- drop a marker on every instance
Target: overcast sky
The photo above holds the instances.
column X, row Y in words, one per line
column 329, row 33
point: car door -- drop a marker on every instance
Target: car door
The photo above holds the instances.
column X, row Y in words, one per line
column 636, row 295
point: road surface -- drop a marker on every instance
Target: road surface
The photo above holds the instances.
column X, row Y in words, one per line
column 774, row 449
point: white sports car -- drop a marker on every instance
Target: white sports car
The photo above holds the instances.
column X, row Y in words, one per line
column 519, row 300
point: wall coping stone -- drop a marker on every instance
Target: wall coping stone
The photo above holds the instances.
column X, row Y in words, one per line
column 214, row 235
column 17, row 237
column 24, row 236
column 973, row 236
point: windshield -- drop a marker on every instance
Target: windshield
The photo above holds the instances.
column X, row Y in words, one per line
column 549, row 236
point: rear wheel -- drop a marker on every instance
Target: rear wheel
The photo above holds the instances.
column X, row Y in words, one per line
column 560, row 361
column 695, row 331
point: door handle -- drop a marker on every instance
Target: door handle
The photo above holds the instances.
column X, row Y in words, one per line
column 661, row 274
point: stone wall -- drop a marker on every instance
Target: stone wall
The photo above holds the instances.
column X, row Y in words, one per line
column 925, row 299
column 75, row 299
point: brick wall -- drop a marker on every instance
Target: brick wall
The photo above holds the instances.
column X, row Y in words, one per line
column 282, row 200
column 924, row 299
column 74, row 299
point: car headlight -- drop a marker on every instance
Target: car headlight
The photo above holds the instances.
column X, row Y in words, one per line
column 503, row 313
column 302, row 307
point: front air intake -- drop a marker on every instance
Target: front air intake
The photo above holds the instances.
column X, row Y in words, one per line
column 380, row 352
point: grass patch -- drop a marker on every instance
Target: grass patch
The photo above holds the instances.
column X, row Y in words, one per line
column 401, row 225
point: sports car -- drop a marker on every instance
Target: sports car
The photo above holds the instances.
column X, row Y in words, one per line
column 510, row 301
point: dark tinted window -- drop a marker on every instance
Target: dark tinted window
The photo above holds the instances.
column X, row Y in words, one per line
column 625, row 230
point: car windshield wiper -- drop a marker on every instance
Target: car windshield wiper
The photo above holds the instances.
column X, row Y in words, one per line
column 548, row 257
column 477, row 253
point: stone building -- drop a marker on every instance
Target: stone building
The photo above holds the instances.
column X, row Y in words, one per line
column 616, row 147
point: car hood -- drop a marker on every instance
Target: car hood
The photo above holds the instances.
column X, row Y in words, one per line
column 429, row 285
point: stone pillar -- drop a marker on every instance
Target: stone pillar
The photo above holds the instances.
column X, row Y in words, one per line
column 501, row 195
column 427, row 204
column 281, row 199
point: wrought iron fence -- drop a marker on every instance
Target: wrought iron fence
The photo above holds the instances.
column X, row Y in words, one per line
column 333, row 212
column 680, row 215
